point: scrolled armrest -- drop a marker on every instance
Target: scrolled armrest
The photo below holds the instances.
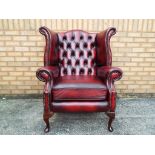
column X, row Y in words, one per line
column 47, row 73
column 108, row 72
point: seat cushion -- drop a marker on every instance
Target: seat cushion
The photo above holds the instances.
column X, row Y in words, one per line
column 79, row 88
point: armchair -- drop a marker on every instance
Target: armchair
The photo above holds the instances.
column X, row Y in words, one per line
column 78, row 74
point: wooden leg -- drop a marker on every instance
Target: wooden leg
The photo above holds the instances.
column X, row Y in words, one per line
column 111, row 116
column 46, row 120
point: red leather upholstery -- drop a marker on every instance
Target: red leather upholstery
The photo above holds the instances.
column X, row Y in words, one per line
column 77, row 87
column 77, row 53
column 85, row 106
column 78, row 74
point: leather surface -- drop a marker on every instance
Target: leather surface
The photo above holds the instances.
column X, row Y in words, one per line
column 104, row 55
column 77, row 53
column 80, row 106
column 106, row 72
column 79, row 88
column 51, row 47
column 78, row 75
column 47, row 73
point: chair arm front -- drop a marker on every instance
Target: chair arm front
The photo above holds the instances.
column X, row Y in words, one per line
column 46, row 74
column 110, row 73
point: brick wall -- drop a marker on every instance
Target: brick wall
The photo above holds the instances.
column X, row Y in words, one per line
column 22, row 46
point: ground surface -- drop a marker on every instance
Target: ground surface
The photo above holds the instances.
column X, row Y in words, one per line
column 24, row 116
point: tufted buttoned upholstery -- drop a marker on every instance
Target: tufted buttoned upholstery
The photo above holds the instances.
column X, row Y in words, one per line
column 78, row 73
column 77, row 53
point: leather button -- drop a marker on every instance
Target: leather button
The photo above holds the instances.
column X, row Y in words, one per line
column 77, row 45
column 85, row 62
column 73, row 71
column 81, row 71
column 65, row 54
column 72, row 53
column 77, row 62
column 89, row 37
column 68, row 45
column 65, row 71
column 64, row 37
column 92, row 45
column 81, row 54
column 61, row 44
column 89, row 71
column 85, row 45
column 73, row 37
column 69, row 62
column 81, row 37
column 89, row 53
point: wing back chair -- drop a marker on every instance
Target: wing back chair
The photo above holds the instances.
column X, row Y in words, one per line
column 78, row 74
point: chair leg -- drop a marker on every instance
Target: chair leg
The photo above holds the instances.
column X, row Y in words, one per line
column 111, row 116
column 46, row 120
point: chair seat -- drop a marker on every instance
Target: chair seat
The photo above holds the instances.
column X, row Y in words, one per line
column 79, row 88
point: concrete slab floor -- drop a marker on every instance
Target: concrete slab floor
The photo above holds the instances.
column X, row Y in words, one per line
column 24, row 117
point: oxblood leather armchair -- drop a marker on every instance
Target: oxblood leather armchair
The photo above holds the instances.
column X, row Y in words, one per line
column 77, row 73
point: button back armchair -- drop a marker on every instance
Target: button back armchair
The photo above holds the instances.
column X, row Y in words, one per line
column 78, row 74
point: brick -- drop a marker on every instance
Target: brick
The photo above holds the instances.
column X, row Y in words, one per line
column 130, row 63
column 3, row 63
column 23, row 78
column 6, row 48
column 140, row 40
column 14, row 63
column 35, row 38
column 12, row 43
column 29, row 74
column 15, row 54
column 133, row 86
column 30, row 54
column 3, row 73
column 133, row 45
column 7, row 69
column 137, row 69
column 16, row 73
column 8, row 78
column 28, row 43
column 137, row 59
column 12, row 33
column 31, row 91
column 21, row 49
column 144, row 64
column 36, row 59
column 2, row 53
column 5, row 38
column 24, row 87
column 20, row 38
column 133, row 34
column 4, row 82
column 17, row 91
column 6, row 58
column 22, row 68
column 118, row 44
column 36, row 49
column 149, row 59
column 138, row 49
column 126, row 39
column 17, row 82
column 22, row 58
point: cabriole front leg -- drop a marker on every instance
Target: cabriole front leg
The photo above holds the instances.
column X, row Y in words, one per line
column 111, row 116
column 47, row 101
column 111, row 113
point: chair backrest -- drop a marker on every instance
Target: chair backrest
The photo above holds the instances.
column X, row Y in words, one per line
column 77, row 53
